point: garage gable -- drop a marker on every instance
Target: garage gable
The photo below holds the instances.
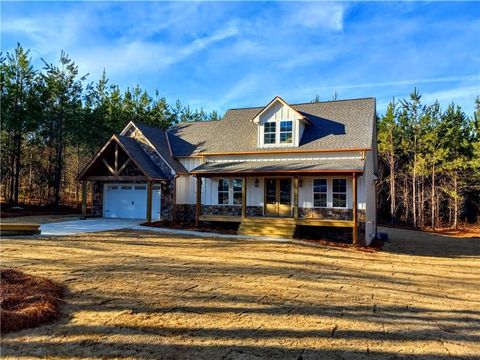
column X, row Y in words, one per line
column 122, row 159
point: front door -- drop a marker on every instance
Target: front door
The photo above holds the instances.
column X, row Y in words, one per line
column 278, row 197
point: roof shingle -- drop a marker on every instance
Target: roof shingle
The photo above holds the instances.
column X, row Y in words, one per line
column 343, row 124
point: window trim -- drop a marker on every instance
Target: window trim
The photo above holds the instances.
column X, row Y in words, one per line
column 314, row 192
column 336, row 192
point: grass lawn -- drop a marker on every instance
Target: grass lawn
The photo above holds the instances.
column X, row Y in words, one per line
column 140, row 295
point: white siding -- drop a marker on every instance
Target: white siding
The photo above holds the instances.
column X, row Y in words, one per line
column 370, row 194
column 186, row 187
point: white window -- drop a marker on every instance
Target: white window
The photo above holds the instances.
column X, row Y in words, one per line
column 339, row 193
column 286, row 132
column 320, row 193
column 223, row 191
column 230, row 191
column 269, row 132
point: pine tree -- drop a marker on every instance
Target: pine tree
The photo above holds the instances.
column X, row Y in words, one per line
column 18, row 111
column 387, row 148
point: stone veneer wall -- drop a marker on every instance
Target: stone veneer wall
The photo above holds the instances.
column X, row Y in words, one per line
column 167, row 211
column 185, row 213
column 329, row 213
column 254, row 210
column 224, row 210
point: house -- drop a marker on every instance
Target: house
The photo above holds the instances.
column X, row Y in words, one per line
column 273, row 169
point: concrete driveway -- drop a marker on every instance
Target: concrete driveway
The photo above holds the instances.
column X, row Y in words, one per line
column 73, row 227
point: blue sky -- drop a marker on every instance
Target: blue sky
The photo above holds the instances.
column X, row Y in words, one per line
column 218, row 55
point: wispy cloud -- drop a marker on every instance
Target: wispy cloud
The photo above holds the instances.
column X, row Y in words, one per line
column 229, row 54
column 412, row 82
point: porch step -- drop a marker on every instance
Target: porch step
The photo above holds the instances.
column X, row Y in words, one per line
column 272, row 227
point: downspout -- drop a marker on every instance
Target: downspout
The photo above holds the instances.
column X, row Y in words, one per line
column 175, row 196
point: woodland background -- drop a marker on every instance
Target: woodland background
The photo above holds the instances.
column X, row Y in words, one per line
column 53, row 121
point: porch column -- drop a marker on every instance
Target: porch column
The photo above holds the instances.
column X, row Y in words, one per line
column 84, row 200
column 198, row 205
column 355, row 225
column 149, row 201
column 244, row 197
column 295, row 198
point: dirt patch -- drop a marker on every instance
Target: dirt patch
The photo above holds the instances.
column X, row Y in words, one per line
column 27, row 301
column 144, row 295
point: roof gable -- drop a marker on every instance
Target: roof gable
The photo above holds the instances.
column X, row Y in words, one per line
column 117, row 156
column 279, row 100
column 157, row 140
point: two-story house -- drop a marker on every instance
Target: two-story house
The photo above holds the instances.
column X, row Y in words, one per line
column 272, row 169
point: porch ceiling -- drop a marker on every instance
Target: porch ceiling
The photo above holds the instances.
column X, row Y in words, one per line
column 268, row 167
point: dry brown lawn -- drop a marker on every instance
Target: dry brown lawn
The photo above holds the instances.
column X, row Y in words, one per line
column 140, row 295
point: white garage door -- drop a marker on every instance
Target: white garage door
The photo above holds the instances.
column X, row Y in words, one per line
column 129, row 201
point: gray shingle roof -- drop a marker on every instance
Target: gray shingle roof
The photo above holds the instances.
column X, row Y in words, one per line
column 334, row 125
column 279, row 166
column 158, row 138
column 142, row 158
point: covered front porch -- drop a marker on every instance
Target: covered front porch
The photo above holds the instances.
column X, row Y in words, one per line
column 271, row 202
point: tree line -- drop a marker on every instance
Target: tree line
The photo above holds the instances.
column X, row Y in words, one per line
column 53, row 121
column 429, row 164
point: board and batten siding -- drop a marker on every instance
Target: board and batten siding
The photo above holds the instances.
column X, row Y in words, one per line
column 276, row 113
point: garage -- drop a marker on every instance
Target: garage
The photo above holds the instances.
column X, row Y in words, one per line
column 129, row 201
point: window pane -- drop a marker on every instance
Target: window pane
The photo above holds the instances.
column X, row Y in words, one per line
column 223, row 197
column 320, row 185
column 237, row 198
column 320, row 200
column 340, row 200
column 339, row 185
column 285, row 138
column 270, row 127
column 271, row 196
column 269, row 139
column 285, row 191
column 285, row 126
column 237, row 184
column 223, row 185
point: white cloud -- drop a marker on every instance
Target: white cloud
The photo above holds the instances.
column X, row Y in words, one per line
column 316, row 15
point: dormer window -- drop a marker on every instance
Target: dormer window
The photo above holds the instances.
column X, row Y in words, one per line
column 270, row 133
column 279, row 125
column 286, row 132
